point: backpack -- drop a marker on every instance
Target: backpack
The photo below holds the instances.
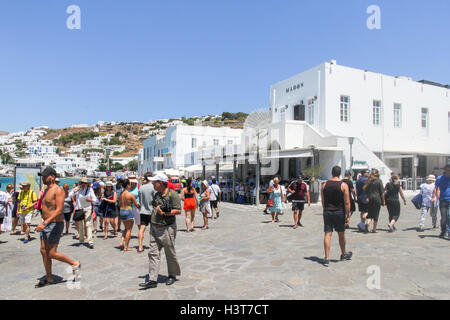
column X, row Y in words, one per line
column 417, row 201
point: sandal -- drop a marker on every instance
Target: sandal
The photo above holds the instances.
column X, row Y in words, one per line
column 140, row 251
column 76, row 272
column 43, row 282
column 127, row 249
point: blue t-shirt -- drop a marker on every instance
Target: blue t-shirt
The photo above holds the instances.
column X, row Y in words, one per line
column 443, row 183
column 360, row 193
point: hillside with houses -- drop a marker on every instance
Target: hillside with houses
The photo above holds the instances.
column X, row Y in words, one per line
column 84, row 149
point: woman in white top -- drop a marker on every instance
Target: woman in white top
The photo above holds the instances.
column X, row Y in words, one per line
column 426, row 190
column 84, row 200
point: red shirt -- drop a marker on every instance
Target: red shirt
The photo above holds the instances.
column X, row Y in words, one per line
column 170, row 185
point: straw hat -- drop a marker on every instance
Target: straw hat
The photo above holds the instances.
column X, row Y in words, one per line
column 431, row 178
column 84, row 180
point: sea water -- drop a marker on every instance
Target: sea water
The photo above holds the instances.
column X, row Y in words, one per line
column 5, row 180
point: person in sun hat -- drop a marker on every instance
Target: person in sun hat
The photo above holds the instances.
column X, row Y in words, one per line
column 85, row 198
column 426, row 189
column 28, row 200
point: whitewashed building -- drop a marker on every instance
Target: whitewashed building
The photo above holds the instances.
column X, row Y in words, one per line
column 397, row 124
column 182, row 146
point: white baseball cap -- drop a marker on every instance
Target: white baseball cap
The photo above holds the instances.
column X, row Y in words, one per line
column 159, row 177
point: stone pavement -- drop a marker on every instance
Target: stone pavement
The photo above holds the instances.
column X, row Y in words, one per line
column 244, row 256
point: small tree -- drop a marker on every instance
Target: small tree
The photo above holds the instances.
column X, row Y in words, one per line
column 132, row 165
column 313, row 173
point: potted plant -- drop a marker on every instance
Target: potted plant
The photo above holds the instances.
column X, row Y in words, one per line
column 313, row 174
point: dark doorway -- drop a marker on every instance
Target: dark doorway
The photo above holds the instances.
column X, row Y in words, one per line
column 292, row 168
column 299, row 112
column 407, row 167
column 422, row 168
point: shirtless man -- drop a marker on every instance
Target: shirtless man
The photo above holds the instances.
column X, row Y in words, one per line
column 52, row 226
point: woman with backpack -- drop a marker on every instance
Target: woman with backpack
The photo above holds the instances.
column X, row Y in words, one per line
column 392, row 190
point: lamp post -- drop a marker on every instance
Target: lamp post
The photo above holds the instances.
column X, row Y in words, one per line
column 108, row 153
column 351, row 140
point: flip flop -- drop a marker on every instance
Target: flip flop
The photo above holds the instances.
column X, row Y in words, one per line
column 140, row 251
column 43, row 283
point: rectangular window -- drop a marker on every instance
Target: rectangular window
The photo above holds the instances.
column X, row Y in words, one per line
column 231, row 141
column 216, row 142
column 311, row 111
column 194, row 142
column 376, row 113
column 397, row 115
column 424, row 118
column 345, row 109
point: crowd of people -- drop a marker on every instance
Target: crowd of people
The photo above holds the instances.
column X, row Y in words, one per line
column 116, row 206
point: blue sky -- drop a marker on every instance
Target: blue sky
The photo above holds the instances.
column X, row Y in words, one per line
column 147, row 59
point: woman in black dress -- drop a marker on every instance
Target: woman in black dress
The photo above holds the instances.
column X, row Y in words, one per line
column 375, row 192
column 351, row 188
column 393, row 189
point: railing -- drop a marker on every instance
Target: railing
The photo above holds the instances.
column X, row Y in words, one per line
column 409, row 184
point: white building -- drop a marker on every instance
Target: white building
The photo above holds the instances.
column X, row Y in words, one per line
column 398, row 124
column 182, row 146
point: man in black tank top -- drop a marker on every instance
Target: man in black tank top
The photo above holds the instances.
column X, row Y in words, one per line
column 336, row 213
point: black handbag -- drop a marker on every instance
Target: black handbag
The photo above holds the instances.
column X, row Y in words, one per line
column 78, row 215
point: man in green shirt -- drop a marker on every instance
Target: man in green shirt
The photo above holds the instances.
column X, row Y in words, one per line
column 163, row 231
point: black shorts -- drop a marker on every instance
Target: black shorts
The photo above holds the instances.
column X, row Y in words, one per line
column 363, row 207
column 67, row 216
column 1, row 220
column 52, row 233
column 145, row 219
column 213, row 203
column 374, row 211
column 334, row 220
column 298, row 206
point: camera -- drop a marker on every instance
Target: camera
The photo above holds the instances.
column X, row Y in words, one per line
column 165, row 207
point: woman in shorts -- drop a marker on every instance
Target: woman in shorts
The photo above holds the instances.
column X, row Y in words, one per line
column 127, row 200
column 68, row 207
column 205, row 204
column 189, row 196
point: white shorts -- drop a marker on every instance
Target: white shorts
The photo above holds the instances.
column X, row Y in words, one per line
column 137, row 216
column 25, row 218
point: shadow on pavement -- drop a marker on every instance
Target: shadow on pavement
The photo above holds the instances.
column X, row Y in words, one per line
column 56, row 279
column 318, row 260
column 432, row 236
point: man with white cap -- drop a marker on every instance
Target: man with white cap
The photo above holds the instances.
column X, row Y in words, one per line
column 166, row 206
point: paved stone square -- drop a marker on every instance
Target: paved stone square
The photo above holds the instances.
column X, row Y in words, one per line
column 244, row 256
